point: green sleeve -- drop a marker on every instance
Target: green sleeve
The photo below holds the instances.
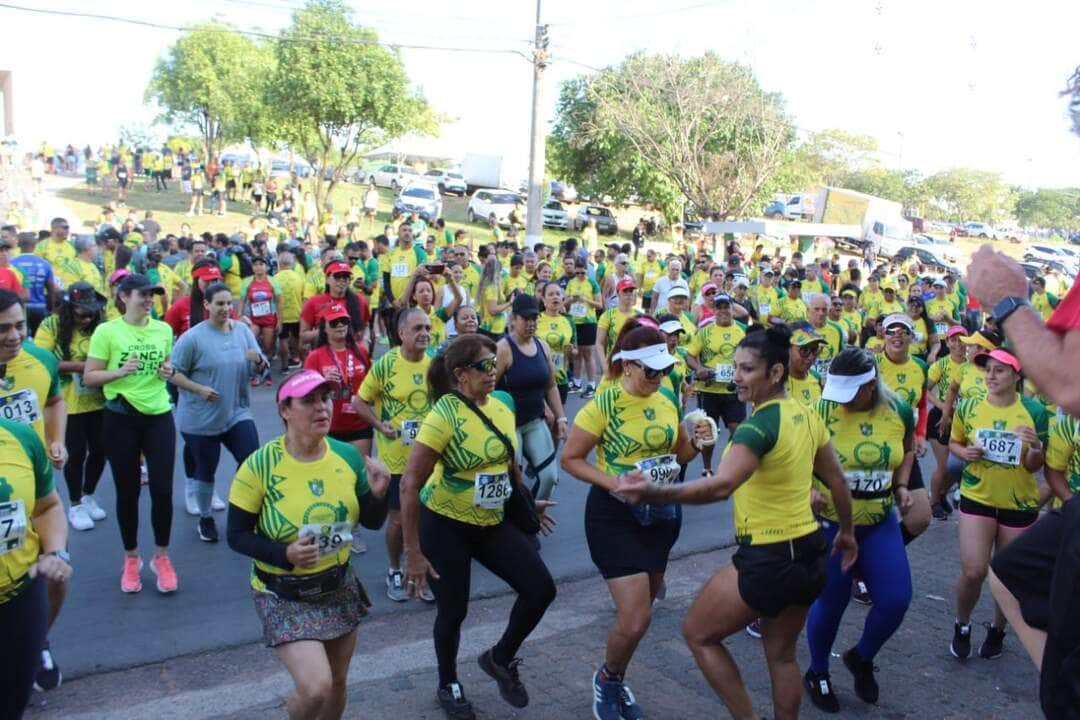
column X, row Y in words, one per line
column 51, row 364
column 760, row 431
column 352, row 458
column 906, row 414
column 35, row 450
column 421, row 254
column 925, row 370
column 1053, row 299
column 573, row 332
column 276, row 285
column 442, row 315
column 1039, row 416
column 594, row 286
column 505, row 398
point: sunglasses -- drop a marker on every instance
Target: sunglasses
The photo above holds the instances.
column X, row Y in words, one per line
column 342, row 276
column 809, row 350
column 897, row 332
column 651, row 374
column 338, row 322
column 486, row 365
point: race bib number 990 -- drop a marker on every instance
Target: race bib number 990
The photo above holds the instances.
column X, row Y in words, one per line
column 329, row 537
column 662, row 469
column 1000, row 446
column 492, row 490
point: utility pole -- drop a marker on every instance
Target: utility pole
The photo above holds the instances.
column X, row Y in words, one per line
column 534, row 221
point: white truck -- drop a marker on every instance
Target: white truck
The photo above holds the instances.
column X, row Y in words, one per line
column 490, row 171
column 800, row 206
column 881, row 222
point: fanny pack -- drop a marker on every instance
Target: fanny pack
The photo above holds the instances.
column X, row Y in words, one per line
column 310, row 588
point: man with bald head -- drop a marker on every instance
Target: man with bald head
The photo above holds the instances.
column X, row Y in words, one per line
column 833, row 333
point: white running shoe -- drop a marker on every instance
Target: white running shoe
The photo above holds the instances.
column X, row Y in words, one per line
column 90, row 504
column 191, row 504
column 217, row 504
column 79, row 518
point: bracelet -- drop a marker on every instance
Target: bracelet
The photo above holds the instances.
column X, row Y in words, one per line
column 562, row 419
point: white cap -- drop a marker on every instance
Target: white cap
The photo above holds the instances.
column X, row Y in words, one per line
column 654, row 357
column 842, row 388
column 670, row 327
column 741, row 280
column 679, row 289
column 898, row 319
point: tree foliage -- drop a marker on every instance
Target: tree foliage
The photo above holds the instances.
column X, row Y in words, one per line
column 968, row 194
column 337, row 92
column 211, row 79
column 1049, row 208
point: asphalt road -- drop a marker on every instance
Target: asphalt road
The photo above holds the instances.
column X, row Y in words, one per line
column 102, row 629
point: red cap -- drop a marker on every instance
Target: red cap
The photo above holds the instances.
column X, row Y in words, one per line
column 333, row 311
column 627, row 283
column 206, row 272
column 337, row 266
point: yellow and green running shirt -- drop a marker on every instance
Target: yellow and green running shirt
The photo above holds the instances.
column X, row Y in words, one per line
column 292, row 293
column 398, row 390
column 920, row 340
column 999, row 479
column 78, row 398
column 908, row 379
column 25, row 476
column 1043, row 303
column 854, row 321
column 774, row 502
column 511, row 283
column 31, row 380
column 870, row 446
column 835, row 339
column 943, row 373
column 714, row 347
column 869, row 299
column 494, row 323
column 687, row 322
column 471, row 480
column 55, row 252
column 293, row 498
column 944, row 314
column 766, row 300
column 650, row 273
column 612, row 321
column 884, row 307
column 1063, row 451
column 790, row 309
column 438, row 319
column 399, row 263
column 806, row 391
column 117, row 340
column 582, row 313
column 559, row 334
column 631, row 430
column 972, row 381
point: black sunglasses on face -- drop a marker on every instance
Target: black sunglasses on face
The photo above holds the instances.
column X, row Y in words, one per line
column 486, row 365
column 341, row 276
column 338, row 322
column 651, row 374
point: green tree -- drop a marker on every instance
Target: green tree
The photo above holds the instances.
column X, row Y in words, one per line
column 1049, row 208
column 337, row 92
column 968, row 194
column 831, row 156
column 209, row 79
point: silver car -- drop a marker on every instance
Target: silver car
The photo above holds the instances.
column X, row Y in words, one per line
column 555, row 215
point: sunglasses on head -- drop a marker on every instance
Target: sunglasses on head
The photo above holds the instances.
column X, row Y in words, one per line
column 338, row 322
column 651, row 374
column 486, row 365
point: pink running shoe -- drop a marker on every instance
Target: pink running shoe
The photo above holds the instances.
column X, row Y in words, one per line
column 166, row 574
column 130, row 582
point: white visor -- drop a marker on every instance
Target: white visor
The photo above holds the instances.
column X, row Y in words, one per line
column 671, row 327
column 842, row 388
column 898, row 319
column 654, row 357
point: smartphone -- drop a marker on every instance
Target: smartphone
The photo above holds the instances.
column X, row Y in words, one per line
column 436, row 268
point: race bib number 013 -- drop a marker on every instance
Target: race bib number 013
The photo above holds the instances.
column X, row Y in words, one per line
column 492, row 490
column 21, row 407
column 329, row 537
column 12, row 526
column 662, row 469
column 1000, row 446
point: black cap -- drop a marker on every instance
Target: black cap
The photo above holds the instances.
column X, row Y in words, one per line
column 526, row 306
column 722, row 299
column 84, row 296
column 134, row 281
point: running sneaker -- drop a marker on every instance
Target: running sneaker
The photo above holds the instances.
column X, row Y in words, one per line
column 607, row 698
column 862, row 671
column 453, row 702
column 588, row 393
column 208, row 529
column 144, row 475
column 255, row 381
column 628, row 707
column 754, row 629
column 162, row 566
column 575, row 387
column 79, row 518
column 860, row 593
column 130, row 582
column 510, row 685
column 48, row 676
column 961, row 641
column 994, row 644
column 946, row 505
column 358, row 545
column 191, row 502
column 938, row 511
column 395, row 586
column 267, row 380
column 90, row 504
column 217, row 504
column 294, row 363
column 819, row 686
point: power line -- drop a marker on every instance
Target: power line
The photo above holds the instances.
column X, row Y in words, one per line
column 636, row 16
column 262, row 35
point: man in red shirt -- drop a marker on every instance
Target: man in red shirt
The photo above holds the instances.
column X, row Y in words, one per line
column 10, row 278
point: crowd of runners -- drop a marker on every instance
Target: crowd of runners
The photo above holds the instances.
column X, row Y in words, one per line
column 422, row 378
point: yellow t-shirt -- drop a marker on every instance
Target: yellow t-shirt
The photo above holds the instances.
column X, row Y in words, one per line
column 1063, row 450
column 559, row 334
column 714, row 347
column 54, row 251
column 972, row 381
column 650, row 273
column 941, row 374
column 908, row 380
column 79, row 398
column 774, row 503
column 920, row 341
column 294, row 498
column 471, row 480
column 582, row 313
column 400, row 264
column 292, row 292
column 999, row 479
column 612, row 321
column 31, row 380
column 806, row 391
column 398, row 389
column 766, row 300
column 790, row 309
column 870, row 446
column 631, row 429
column 492, row 323
column 314, row 282
column 27, row 477
column 835, row 339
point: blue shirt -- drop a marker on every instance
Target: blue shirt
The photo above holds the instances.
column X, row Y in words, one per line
column 39, row 274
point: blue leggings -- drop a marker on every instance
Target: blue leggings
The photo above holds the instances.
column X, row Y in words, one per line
column 883, row 565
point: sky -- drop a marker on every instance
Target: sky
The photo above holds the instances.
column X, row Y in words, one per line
column 938, row 83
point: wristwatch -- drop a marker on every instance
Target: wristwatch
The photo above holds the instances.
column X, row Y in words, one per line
column 62, row 554
column 1007, row 307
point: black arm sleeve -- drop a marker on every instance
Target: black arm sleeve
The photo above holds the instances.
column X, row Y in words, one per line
column 372, row 510
column 386, row 287
column 241, row 535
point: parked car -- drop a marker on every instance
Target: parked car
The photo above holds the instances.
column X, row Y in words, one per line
column 563, row 192
column 930, row 258
column 1046, row 254
column 978, row 229
column 1011, row 234
column 279, row 168
column 448, row 181
column 774, row 210
column 493, row 206
column 605, row 220
column 1031, row 269
column 421, row 198
column 555, row 215
column 393, row 176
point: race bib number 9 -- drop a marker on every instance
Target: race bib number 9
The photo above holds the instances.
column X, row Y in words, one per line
column 662, row 469
column 12, row 526
column 1000, row 446
column 399, row 270
column 329, row 537
column 409, row 430
column 868, row 481
column 492, row 490
column 21, row 407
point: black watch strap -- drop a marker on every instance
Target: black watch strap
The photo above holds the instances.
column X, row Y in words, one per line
column 1007, row 307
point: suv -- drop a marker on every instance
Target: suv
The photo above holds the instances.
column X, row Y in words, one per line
column 979, row 229
column 419, row 198
column 449, row 181
column 393, row 176
column 493, row 206
column 605, row 221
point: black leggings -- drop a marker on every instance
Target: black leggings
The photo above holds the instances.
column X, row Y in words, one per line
column 23, row 624
column 451, row 546
column 86, row 454
column 154, row 436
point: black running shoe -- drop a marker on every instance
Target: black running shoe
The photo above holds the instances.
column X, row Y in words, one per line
column 452, row 701
column 946, row 505
column 510, row 686
column 938, row 511
column 48, row 676
column 819, row 685
column 862, row 671
column 208, row 529
column 993, row 645
column 961, row 641
column 860, row 593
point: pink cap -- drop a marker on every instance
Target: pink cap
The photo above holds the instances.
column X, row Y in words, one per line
column 118, row 275
column 1002, row 355
column 301, row 384
column 956, row 330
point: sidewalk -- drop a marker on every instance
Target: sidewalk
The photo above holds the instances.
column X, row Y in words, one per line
column 393, row 675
